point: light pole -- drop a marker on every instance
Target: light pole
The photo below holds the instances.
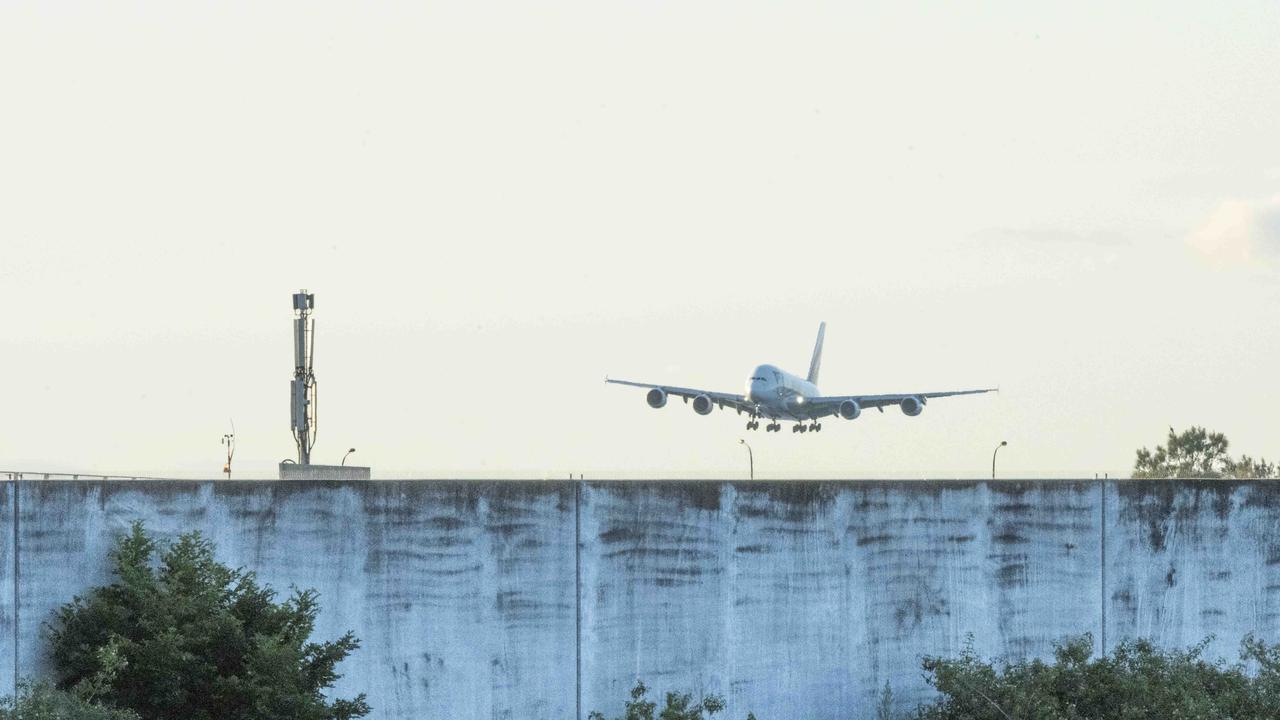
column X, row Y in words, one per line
column 230, row 441
column 993, row 457
column 344, row 457
column 751, row 458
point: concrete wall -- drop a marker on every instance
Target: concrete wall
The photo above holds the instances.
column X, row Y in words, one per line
column 795, row 600
column 461, row 593
column 8, row 585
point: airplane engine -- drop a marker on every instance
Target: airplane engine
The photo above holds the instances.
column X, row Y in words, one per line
column 702, row 405
column 912, row 406
column 849, row 410
column 656, row 398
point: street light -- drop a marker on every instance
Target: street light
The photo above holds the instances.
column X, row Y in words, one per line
column 230, row 441
column 993, row 457
column 750, row 458
column 344, row 457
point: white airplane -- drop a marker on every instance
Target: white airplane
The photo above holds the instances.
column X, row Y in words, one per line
column 775, row 394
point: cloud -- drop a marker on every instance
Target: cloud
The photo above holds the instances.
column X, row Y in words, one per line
column 1240, row 232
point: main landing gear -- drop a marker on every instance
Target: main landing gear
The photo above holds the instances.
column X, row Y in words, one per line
column 771, row 427
column 802, row 428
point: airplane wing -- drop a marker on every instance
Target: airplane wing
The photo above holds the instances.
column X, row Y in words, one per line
column 723, row 399
column 830, row 404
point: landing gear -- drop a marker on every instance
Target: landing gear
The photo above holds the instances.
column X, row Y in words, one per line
column 772, row 427
column 816, row 427
column 753, row 425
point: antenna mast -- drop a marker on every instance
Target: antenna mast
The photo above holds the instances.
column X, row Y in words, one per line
column 303, row 387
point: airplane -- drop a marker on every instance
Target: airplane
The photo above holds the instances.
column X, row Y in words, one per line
column 776, row 394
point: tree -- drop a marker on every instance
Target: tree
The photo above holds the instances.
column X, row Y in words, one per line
column 40, row 701
column 1136, row 681
column 1198, row 453
column 195, row 640
column 680, row 706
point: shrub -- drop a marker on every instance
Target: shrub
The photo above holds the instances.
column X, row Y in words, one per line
column 680, row 706
column 196, row 640
column 1137, row 681
column 40, row 701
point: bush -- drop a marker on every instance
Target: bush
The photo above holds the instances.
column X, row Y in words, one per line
column 182, row 637
column 680, row 706
column 40, row 701
column 1137, row 681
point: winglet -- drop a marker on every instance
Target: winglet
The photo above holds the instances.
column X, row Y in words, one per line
column 816, row 363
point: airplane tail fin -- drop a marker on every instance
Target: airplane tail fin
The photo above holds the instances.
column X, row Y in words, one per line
column 817, row 355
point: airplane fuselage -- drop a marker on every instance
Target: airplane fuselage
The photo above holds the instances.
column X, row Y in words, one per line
column 778, row 393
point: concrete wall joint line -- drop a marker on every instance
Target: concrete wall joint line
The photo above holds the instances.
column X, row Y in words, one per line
column 1102, row 563
column 16, row 585
column 577, row 594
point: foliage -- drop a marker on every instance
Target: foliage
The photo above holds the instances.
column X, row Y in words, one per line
column 680, row 706
column 1198, row 453
column 1135, row 682
column 885, row 703
column 181, row 636
column 39, row 701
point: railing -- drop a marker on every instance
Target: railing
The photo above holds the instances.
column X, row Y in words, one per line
column 29, row 475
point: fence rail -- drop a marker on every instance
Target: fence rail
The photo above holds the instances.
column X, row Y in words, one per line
column 30, row 475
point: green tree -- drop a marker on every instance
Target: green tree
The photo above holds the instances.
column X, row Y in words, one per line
column 1137, row 681
column 1198, row 453
column 680, row 706
column 40, row 701
column 181, row 636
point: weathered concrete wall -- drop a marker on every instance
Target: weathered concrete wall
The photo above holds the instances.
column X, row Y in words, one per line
column 462, row 594
column 1189, row 559
column 795, row 600
column 8, row 582
column 802, row 600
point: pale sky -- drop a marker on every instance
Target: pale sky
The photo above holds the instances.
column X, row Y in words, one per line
column 497, row 204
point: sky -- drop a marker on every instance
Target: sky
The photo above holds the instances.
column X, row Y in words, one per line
column 497, row 204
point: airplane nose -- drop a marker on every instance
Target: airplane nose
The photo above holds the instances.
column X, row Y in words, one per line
column 756, row 393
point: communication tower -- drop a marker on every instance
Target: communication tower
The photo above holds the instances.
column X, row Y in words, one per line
column 303, row 387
